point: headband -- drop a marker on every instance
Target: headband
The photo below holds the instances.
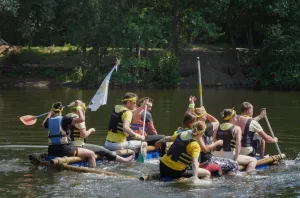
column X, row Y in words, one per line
column 202, row 114
column 196, row 132
column 129, row 99
column 56, row 109
column 229, row 116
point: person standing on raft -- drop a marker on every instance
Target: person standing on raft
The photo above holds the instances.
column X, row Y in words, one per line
column 119, row 127
column 59, row 134
column 79, row 133
column 184, row 152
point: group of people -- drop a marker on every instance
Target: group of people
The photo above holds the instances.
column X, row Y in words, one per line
column 125, row 130
column 234, row 142
column 201, row 142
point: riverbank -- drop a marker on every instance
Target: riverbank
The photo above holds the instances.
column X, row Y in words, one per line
column 65, row 66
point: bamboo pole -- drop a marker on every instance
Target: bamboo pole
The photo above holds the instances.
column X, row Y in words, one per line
column 93, row 170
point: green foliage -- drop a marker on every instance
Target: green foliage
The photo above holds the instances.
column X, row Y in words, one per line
column 166, row 73
column 89, row 29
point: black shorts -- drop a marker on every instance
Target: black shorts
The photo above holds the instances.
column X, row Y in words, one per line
column 165, row 171
column 100, row 150
column 62, row 150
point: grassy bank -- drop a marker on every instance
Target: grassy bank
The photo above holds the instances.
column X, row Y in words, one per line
column 69, row 65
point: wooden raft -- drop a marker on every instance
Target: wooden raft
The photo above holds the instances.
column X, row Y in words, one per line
column 266, row 161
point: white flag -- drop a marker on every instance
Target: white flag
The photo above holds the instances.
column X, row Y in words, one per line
column 100, row 97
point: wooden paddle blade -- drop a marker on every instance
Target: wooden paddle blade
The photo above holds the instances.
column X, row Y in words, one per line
column 28, row 119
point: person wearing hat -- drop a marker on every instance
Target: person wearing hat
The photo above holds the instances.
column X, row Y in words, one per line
column 206, row 155
column 231, row 135
column 119, row 127
column 184, row 152
column 79, row 133
column 59, row 135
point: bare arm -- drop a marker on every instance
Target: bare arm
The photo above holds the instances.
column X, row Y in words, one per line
column 238, row 139
column 195, row 167
column 85, row 133
column 163, row 140
column 263, row 113
column 191, row 107
column 207, row 148
column 48, row 116
column 130, row 132
column 151, row 128
column 80, row 118
column 267, row 138
column 212, row 119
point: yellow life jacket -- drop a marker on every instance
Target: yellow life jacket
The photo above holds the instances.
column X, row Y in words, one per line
column 115, row 127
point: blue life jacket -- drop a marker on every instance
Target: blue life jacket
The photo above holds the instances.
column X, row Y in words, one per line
column 56, row 134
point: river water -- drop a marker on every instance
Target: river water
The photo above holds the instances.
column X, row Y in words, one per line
column 21, row 179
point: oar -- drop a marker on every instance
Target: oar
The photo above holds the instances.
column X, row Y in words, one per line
column 272, row 133
column 141, row 158
column 200, row 84
column 31, row 120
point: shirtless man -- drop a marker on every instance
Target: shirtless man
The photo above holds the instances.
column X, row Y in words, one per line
column 252, row 131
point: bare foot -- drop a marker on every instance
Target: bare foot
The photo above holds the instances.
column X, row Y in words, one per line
column 130, row 158
column 266, row 156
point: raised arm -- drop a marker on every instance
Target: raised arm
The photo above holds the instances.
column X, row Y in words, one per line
column 80, row 118
column 44, row 124
column 191, row 107
column 263, row 113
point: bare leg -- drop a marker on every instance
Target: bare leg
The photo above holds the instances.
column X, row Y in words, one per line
column 125, row 160
column 82, row 152
column 262, row 148
column 248, row 161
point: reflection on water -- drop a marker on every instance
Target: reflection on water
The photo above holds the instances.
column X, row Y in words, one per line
column 21, row 179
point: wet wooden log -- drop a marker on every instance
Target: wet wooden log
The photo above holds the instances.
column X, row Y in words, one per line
column 269, row 160
column 66, row 160
column 93, row 170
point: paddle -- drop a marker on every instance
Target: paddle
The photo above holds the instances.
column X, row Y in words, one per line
column 272, row 133
column 141, row 158
column 200, row 84
column 31, row 120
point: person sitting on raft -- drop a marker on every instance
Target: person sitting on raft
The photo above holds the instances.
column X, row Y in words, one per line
column 137, row 122
column 119, row 127
column 206, row 155
column 231, row 136
column 183, row 152
column 254, row 137
column 79, row 133
column 59, row 135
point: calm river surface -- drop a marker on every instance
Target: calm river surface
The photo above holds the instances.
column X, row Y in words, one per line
column 21, row 179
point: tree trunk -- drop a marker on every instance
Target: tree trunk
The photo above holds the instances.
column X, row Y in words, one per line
column 233, row 45
column 175, row 28
column 137, row 51
column 250, row 39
